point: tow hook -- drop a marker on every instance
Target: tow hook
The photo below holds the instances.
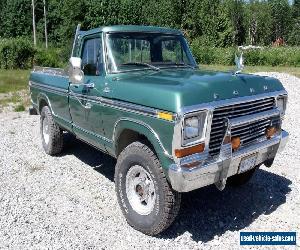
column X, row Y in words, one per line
column 221, row 184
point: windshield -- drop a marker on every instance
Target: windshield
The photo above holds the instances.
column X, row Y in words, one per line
column 140, row 51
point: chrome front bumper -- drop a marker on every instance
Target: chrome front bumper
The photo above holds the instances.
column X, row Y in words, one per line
column 208, row 172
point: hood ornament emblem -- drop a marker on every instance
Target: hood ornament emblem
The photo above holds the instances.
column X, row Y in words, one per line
column 239, row 63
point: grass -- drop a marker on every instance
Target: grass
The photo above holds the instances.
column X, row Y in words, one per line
column 18, row 100
column 252, row 69
column 13, row 80
column 19, row 108
column 13, row 86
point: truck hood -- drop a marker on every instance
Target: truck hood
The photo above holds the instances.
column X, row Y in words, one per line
column 172, row 89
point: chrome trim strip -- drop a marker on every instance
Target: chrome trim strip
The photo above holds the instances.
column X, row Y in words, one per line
column 59, row 117
column 129, row 107
column 33, row 103
column 91, row 133
column 159, row 68
column 50, row 71
column 48, row 87
column 117, row 104
column 43, row 95
column 173, row 33
column 235, row 122
column 146, row 126
column 124, row 106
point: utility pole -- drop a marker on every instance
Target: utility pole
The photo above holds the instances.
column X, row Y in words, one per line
column 33, row 23
column 45, row 21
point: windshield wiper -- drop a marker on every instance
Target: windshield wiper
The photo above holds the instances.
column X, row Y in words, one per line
column 142, row 64
column 184, row 64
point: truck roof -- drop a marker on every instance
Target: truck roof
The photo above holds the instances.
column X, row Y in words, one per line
column 131, row 28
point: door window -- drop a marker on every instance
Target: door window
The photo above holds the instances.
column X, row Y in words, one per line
column 92, row 62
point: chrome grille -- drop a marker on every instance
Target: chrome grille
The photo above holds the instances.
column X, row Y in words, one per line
column 247, row 132
column 253, row 131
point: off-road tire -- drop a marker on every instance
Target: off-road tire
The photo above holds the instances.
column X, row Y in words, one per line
column 241, row 179
column 55, row 142
column 167, row 202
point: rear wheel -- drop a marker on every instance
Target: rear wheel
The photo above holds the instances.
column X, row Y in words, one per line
column 241, row 179
column 144, row 195
column 52, row 135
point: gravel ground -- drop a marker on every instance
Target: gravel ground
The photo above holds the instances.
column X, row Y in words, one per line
column 68, row 201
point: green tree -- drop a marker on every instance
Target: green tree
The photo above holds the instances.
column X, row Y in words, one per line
column 258, row 23
column 220, row 23
column 201, row 19
column 281, row 18
column 294, row 34
column 15, row 18
column 235, row 10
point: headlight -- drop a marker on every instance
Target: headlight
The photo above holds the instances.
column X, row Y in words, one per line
column 281, row 104
column 194, row 127
column 191, row 129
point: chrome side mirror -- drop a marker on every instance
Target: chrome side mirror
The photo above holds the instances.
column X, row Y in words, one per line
column 76, row 75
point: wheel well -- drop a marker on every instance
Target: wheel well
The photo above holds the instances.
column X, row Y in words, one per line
column 42, row 104
column 129, row 136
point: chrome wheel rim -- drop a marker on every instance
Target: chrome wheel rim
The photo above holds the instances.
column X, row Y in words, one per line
column 46, row 135
column 140, row 190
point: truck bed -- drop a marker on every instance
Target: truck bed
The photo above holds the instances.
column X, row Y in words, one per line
column 52, row 83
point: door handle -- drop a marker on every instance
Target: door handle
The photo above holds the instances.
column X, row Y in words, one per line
column 90, row 85
column 106, row 90
column 75, row 85
column 88, row 105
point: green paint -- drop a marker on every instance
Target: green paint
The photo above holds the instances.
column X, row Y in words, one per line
column 169, row 89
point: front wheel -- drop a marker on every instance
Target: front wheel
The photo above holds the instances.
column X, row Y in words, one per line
column 144, row 195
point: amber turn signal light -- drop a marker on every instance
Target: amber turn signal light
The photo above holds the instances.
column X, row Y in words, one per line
column 179, row 153
column 270, row 132
column 235, row 143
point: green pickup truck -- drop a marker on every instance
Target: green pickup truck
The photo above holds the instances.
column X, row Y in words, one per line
column 137, row 94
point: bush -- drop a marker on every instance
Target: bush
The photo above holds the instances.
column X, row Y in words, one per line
column 19, row 53
column 282, row 56
column 19, row 108
column 16, row 53
column 49, row 58
column 269, row 56
column 212, row 55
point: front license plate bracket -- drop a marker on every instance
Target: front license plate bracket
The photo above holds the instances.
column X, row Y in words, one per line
column 247, row 163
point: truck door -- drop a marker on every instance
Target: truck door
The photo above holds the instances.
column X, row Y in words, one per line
column 85, row 107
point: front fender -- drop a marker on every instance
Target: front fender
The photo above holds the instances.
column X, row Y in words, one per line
column 43, row 97
column 142, row 128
